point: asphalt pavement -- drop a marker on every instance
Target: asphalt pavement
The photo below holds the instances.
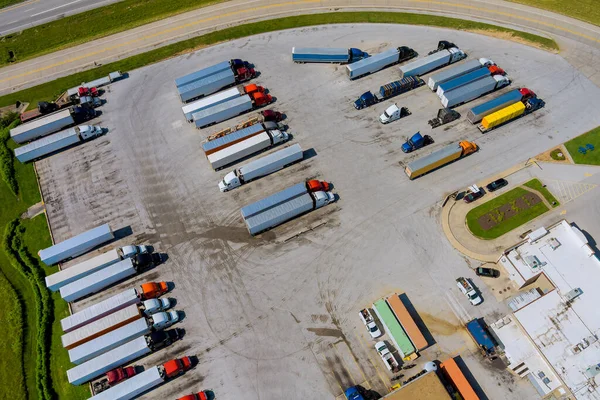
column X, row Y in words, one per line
column 35, row 12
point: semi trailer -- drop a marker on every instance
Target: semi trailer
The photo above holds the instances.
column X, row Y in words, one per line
column 285, row 205
column 473, row 90
column 439, row 158
column 213, row 83
column 379, row 61
column 468, row 78
column 262, row 167
column 114, row 273
column 433, row 61
column 235, row 137
column 57, row 141
column 456, row 71
column 105, row 80
column 327, row 55
column 51, row 123
column 230, row 65
column 388, row 91
column 77, row 245
column 477, row 113
column 245, row 148
column 229, row 109
column 510, row 113
column 218, row 98
column 59, row 279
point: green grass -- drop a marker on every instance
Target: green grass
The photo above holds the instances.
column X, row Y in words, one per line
column 590, row 157
column 51, row 90
column 557, row 155
column 585, row 10
column 89, row 25
column 6, row 3
column 535, row 184
column 505, row 225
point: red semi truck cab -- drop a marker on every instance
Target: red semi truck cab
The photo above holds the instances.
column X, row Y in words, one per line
column 261, row 99
column 253, row 88
column 244, row 74
column 527, row 94
column 195, row 396
column 177, row 366
column 315, row 185
column 117, row 375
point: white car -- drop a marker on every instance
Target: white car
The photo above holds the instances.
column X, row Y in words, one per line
column 369, row 321
column 162, row 320
column 152, row 306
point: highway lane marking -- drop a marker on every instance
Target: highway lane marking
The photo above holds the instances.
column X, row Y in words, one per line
column 55, row 8
column 18, row 6
column 180, row 27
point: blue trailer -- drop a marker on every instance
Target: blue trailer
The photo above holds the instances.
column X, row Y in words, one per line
column 476, row 114
column 327, row 55
column 478, row 330
column 462, row 81
column 76, row 245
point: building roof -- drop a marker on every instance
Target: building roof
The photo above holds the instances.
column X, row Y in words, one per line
column 562, row 323
column 427, row 387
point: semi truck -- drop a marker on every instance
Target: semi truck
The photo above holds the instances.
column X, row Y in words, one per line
column 285, row 205
column 476, row 114
column 392, row 113
column 510, row 113
column 112, row 378
column 415, row 142
column 51, row 123
column 260, row 117
column 245, row 148
column 262, row 167
column 229, row 109
column 456, row 71
column 105, row 80
column 230, row 65
column 215, row 82
column 218, row 98
column 388, row 91
column 57, row 141
column 59, row 279
column 474, row 90
column 103, row 325
column 439, row 158
column 433, row 61
column 100, row 344
column 235, row 137
column 379, row 61
column 77, row 245
column 148, row 290
column 114, row 273
column 146, row 380
column 470, row 77
column 327, row 55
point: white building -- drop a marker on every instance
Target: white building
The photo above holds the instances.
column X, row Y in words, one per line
column 552, row 337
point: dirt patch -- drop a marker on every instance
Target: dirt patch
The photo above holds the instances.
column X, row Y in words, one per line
column 512, row 38
column 508, row 210
column 546, row 157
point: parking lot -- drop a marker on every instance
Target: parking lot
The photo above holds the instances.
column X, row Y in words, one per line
column 276, row 316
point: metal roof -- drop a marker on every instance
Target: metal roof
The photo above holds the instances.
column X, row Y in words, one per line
column 232, row 137
column 273, row 200
column 436, row 155
column 194, row 76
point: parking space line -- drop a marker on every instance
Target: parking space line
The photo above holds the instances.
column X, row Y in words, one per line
column 374, row 364
column 334, row 345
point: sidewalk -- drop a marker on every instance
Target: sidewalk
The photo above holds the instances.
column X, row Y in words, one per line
column 224, row 15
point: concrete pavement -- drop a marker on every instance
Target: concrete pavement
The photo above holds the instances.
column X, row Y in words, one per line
column 194, row 23
column 36, row 12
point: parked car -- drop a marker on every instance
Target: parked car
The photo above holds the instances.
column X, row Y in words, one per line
column 471, row 197
column 489, row 272
column 497, row 184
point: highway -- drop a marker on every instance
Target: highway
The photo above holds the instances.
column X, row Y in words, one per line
column 35, row 12
column 183, row 26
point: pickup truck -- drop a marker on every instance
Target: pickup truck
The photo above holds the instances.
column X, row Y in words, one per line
column 386, row 355
column 467, row 289
column 369, row 321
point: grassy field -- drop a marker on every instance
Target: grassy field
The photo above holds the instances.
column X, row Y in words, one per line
column 35, row 236
column 6, row 3
column 51, row 90
column 535, row 184
column 585, row 10
column 590, row 157
column 89, row 25
column 505, row 225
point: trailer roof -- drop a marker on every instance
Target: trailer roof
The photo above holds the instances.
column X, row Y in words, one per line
column 82, row 267
column 436, row 155
column 84, row 237
column 325, row 51
column 40, row 122
column 93, row 278
column 469, row 77
column 424, row 61
column 221, row 107
column 371, row 60
column 514, row 95
column 271, row 158
column 273, row 200
column 457, row 70
column 46, row 140
column 143, row 381
column 283, row 208
column 232, row 137
column 222, row 95
column 204, row 81
column 194, row 76
column 460, row 91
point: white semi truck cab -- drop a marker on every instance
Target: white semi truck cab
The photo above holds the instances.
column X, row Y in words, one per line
column 323, row 198
column 131, row 250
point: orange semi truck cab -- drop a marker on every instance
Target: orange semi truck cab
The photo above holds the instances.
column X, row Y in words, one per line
column 261, row 99
column 151, row 290
column 315, row 185
column 195, row 396
column 176, row 367
column 467, row 147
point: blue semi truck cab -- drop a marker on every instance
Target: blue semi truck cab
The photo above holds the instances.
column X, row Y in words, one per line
column 357, row 55
column 352, row 393
column 416, row 142
column 365, row 100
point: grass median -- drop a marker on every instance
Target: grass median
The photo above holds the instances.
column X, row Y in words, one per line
column 585, row 10
column 585, row 149
column 51, row 90
column 535, row 184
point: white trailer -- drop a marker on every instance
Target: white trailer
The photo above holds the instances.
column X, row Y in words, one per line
column 101, row 309
column 76, row 245
column 133, row 386
column 245, row 148
column 42, row 126
column 98, row 280
column 210, row 101
column 222, row 112
column 109, row 341
column 261, row 167
column 100, row 327
column 111, row 359
column 372, row 64
column 431, row 62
